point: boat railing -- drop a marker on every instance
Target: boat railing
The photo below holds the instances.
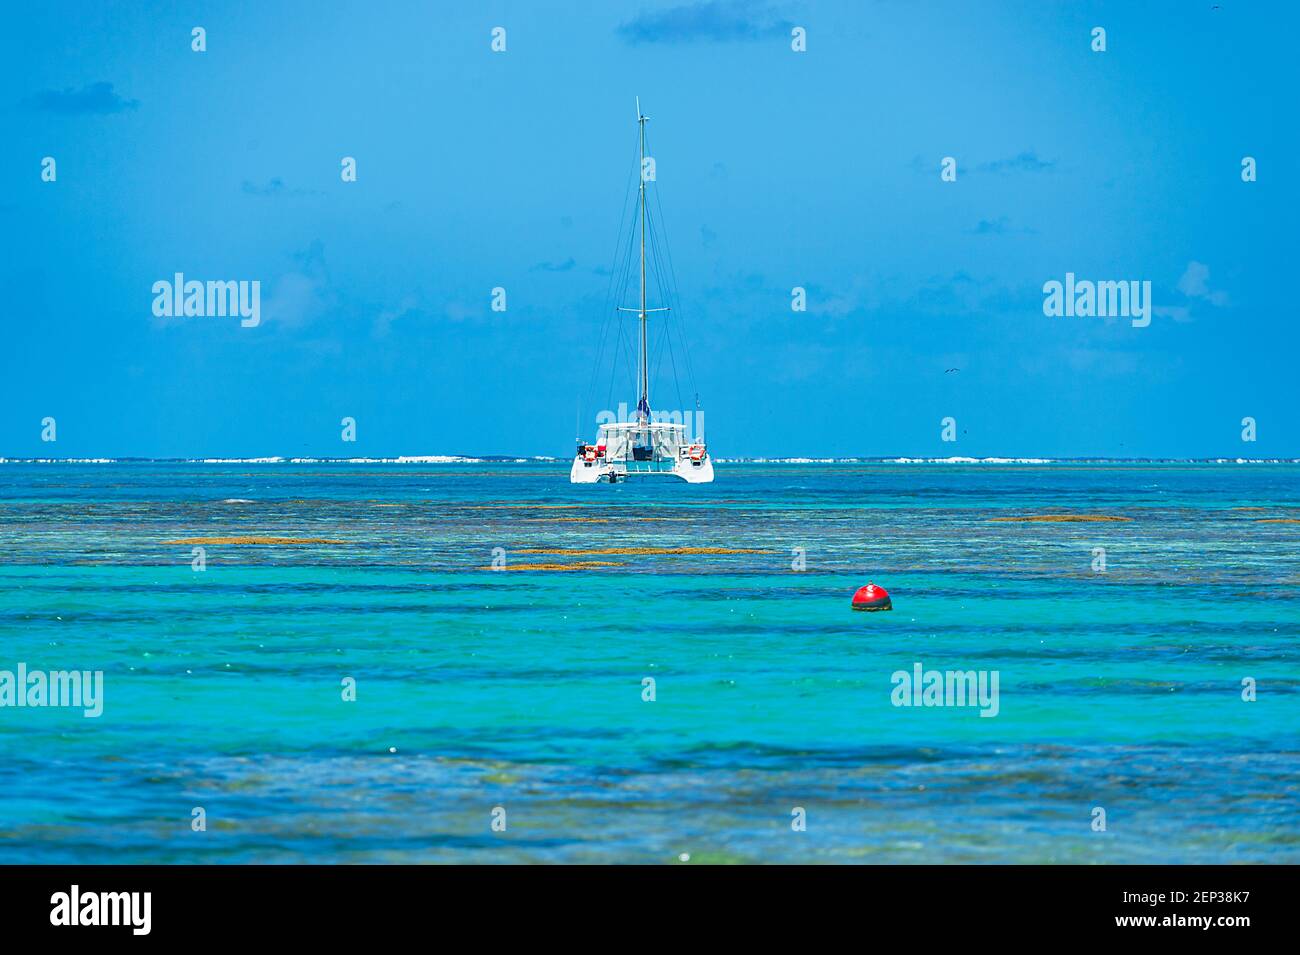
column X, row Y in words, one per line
column 649, row 467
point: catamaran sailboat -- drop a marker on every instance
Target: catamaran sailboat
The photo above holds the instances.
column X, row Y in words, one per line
column 651, row 444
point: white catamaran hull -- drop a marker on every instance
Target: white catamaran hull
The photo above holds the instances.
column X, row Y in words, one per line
column 592, row 472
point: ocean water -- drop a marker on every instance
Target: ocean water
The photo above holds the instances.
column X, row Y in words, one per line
column 522, row 688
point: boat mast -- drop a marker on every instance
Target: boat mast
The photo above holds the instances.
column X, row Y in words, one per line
column 644, row 403
column 643, row 366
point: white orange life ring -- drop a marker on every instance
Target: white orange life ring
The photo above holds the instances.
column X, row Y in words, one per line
column 697, row 452
column 589, row 453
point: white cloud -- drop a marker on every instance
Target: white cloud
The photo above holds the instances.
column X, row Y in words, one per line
column 1195, row 283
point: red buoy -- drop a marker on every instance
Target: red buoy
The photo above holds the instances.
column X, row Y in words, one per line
column 872, row 597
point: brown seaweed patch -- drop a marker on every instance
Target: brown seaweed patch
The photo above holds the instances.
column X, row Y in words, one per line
column 640, row 551
column 254, row 540
column 524, row 507
column 543, row 522
column 567, row 520
column 576, row 565
column 1062, row 518
column 1278, row 520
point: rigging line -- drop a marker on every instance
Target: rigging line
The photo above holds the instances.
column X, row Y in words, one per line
column 609, row 315
column 632, row 366
column 623, row 340
column 672, row 271
column 628, row 280
column 609, row 291
column 613, row 372
column 608, row 318
column 650, row 237
column 681, row 334
column 654, row 245
column 616, row 335
column 607, row 344
column 676, row 299
column 623, row 273
column 665, row 337
column 659, row 353
column 626, row 272
column 672, row 357
column 681, row 328
column 614, row 368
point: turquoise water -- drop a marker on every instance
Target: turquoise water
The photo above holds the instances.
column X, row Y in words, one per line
column 522, row 689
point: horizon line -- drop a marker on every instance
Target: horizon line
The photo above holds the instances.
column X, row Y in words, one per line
column 737, row 459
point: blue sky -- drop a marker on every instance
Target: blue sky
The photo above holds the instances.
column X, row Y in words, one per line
column 775, row 169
